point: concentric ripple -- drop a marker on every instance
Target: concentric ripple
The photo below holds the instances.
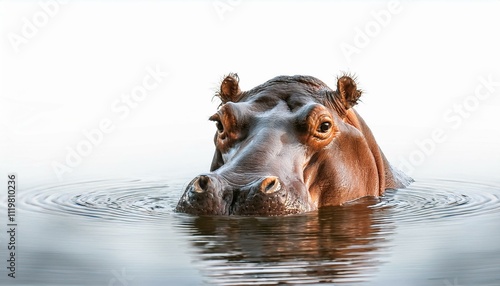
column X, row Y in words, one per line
column 122, row 200
column 440, row 199
column 337, row 245
column 135, row 200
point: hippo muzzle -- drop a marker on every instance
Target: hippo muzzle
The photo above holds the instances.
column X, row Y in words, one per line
column 210, row 194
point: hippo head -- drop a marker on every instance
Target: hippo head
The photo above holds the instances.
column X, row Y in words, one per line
column 287, row 146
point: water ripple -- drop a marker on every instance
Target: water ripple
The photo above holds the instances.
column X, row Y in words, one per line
column 116, row 200
column 340, row 245
column 440, row 199
column 135, row 200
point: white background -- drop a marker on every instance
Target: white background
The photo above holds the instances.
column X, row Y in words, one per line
column 419, row 63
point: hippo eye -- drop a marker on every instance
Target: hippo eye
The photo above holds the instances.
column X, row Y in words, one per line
column 324, row 127
column 219, row 126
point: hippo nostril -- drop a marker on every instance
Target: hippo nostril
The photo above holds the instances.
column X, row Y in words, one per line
column 201, row 184
column 270, row 185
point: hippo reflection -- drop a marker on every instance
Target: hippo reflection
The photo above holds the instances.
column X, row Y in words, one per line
column 334, row 245
column 288, row 146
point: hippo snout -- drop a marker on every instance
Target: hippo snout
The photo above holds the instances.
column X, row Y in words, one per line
column 210, row 194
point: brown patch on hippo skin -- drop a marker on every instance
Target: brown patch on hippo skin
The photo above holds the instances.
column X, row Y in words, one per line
column 230, row 89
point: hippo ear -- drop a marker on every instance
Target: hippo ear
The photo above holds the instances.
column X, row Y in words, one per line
column 348, row 91
column 230, row 89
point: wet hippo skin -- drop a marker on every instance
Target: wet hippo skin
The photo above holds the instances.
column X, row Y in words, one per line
column 288, row 146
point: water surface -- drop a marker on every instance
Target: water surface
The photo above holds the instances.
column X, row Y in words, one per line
column 125, row 232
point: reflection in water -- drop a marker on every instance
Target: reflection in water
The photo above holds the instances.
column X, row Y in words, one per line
column 432, row 233
column 333, row 245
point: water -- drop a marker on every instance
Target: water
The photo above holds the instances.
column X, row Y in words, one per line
column 125, row 232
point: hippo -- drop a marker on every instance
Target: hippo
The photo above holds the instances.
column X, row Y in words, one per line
column 290, row 145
